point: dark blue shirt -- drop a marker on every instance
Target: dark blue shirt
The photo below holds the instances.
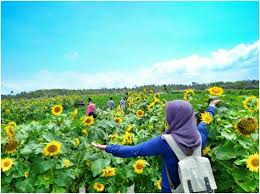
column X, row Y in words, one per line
column 158, row 146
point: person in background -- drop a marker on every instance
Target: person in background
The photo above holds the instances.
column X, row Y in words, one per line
column 182, row 127
column 91, row 109
column 82, row 103
column 122, row 104
column 111, row 104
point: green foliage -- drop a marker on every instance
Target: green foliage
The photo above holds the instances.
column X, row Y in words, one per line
column 229, row 149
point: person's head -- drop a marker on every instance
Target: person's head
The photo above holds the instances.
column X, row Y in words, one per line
column 89, row 100
column 178, row 111
column 111, row 98
column 182, row 125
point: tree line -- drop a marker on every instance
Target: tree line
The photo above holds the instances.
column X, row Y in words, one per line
column 246, row 84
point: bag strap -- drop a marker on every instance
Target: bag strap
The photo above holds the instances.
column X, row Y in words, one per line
column 172, row 143
column 176, row 149
column 168, row 176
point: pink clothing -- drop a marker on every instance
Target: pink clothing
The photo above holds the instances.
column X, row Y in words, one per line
column 90, row 108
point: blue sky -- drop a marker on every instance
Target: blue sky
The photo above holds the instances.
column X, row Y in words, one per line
column 117, row 44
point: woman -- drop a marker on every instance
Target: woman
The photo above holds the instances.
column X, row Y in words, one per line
column 90, row 108
column 182, row 126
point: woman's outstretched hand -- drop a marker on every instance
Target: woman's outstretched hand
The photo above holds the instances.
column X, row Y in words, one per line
column 215, row 102
column 99, row 146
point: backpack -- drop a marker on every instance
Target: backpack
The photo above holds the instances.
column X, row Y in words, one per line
column 195, row 171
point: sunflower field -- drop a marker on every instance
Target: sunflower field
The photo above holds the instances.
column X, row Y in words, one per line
column 46, row 143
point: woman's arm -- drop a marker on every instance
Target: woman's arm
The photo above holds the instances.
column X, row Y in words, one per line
column 148, row 148
column 202, row 127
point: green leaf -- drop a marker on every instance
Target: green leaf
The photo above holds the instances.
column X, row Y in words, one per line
column 25, row 186
column 240, row 162
column 245, row 144
column 227, row 151
column 98, row 165
column 42, row 190
column 244, row 180
column 57, row 189
column 112, row 189
column 40, row 165
column 228, row 136
column 48, row 137
column 61, row 180
column 5, row 188
column 28, row 149
column 91, row 156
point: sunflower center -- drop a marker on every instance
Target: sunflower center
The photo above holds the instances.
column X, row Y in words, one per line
column 139, row 166
column 255, row 162
column 247, row 126
column 88, row 120
column 140, row 113
column 99, row 186
column 11, row 146
column 52, row 148
column 7, row 163
column 216, row 90
column 57, row 109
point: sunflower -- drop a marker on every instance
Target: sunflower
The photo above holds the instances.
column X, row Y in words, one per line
column 252, row 163
column 164, row 103
column 66, row 163
column 99, row 187
column 188, row 94
column 206, row 117
column 150, row 106
column 77, row 141
column 206, row 150
column 56, row 110
column 129, row 128
column 11, row 146
column 6, row 164
column 118, row 120
column 84, row 131
column 139, row 166
column 7, row 111
column 114, row 137
column 10, row 132
column 26, row 174
column 157, row 95
column 108, row 172
column 74, row 114
column 156, row 100
column 129, row 101
column 246, row 126
column 137, row 99
column 251, row 103
column 12, row 124
column 118, row 109
column 88, row 121
column 216, row 91
column 159, row 184
column 140, row 113
column 127, row 139
column 52, row 149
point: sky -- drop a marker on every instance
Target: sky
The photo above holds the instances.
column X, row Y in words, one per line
column 83, row 45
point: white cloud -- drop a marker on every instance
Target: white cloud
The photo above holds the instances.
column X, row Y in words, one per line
column 238, row 63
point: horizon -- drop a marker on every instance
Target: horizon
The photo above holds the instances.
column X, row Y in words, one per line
column 129, row 88
column 87, row 45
